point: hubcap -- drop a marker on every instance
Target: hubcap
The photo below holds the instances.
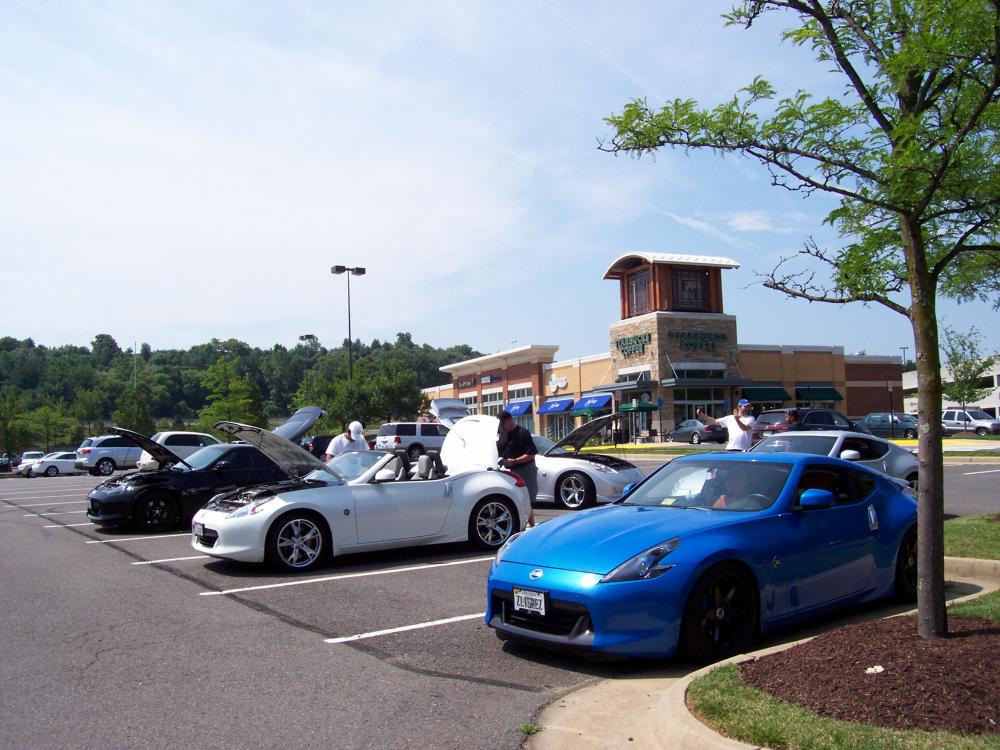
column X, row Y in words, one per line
column 105, row 468
column 573, row 492
column 494, row 524
column 299, row 542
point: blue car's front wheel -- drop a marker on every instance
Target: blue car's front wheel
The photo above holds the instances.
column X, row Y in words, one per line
column 720, row 617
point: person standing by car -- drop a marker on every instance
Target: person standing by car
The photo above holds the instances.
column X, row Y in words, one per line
column 739, row 424
column 517, row 453
column 351, row 439
column 792, row 419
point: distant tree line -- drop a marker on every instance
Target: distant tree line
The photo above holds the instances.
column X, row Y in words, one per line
column 55, row 396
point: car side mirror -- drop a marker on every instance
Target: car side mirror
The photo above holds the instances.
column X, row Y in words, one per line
column 221, row 465
column 850, row 455
column 385, row 475
column 815, row 498
column 628, row 488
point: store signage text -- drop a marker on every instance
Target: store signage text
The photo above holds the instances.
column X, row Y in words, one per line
column 485, row 379
column 698, row 340
column 630, row 346
column 466, row 383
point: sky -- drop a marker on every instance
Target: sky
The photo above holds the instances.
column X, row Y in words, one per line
column 174, row 172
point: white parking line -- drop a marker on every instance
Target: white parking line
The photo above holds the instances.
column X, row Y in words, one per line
column 46, row 505
column 403, row 629
column 135, row 538
column 171, row 559
column 973, row 473
column 36, row 495
column 344, row 576
column 67, row 525
column 54, row 513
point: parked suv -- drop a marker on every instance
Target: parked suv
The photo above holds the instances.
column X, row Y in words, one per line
column 181, row 444
column 416, row 438
column 970, row 420
column 774, row 420
column 104, row 454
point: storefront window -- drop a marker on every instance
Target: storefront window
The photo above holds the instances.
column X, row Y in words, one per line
column 472, row 403
column 687, row 400
column 560, row 425
column 519, row 393
column 492, row 403
column 690, row 290
column 638, row 293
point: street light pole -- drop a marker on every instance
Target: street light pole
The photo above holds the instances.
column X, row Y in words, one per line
column 355, row 271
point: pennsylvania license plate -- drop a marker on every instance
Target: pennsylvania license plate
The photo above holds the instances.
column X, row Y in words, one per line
column 198, row 529
column 526, row 600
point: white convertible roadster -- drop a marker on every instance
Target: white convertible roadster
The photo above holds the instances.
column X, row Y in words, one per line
column 364, row 501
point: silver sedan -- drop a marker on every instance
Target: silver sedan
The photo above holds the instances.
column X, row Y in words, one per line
column 869, row 450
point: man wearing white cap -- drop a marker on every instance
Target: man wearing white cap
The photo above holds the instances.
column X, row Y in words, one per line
column 351, row 439
column 739, row 424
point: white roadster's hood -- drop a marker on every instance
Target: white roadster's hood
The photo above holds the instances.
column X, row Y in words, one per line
column 471, row 443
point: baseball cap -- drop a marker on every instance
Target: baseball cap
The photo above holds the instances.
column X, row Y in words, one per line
column 743, row 402
column 356, row 429
column 504, row 415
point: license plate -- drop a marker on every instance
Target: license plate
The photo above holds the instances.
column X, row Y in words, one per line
column 90, row 505
column 526, row 600
column 198, row 529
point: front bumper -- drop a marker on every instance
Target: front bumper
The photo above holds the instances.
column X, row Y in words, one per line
column 239, row 538
column 637, row 619
column 109, row 508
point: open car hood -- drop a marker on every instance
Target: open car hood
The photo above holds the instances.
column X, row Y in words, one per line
column 293, row 460
column 449, row 410
column 579, row 437
column 471, row 444
column 161, row 454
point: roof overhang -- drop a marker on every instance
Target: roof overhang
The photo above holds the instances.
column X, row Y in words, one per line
column 544, row 353
column 627, row 262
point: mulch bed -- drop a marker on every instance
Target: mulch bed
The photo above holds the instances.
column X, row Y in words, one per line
column 950, row 684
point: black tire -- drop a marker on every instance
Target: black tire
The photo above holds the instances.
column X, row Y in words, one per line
column 720, row 616
column 909, row 434
column 52, row 471
column 414, row 452
column 906, row 567
column 105, row 467
column 297, row 541
column 670, row 437
column 156, row 511
column 982, row 431
column 492, row 522
column 913, row 479
column 575, row 491
column 695, row 438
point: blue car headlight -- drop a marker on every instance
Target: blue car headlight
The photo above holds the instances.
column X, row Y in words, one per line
column 648, row 564
column 506, row 546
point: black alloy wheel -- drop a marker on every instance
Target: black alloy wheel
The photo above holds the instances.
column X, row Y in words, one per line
column 296, row 541
column 492, row 522
column 906, row 567
column 157, row 511
column 52, row 471
column 105, row 467
column 720, row 617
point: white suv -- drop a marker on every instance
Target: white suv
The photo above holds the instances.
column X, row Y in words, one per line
column 416, row 438
column 970, row 420
column 181, row 444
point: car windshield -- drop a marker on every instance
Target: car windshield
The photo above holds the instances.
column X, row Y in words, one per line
column 48, row 456
column 818, row 445
column 203, row 458
column 544, row 444
column 349, row 465
column 713, row 485
column 976, row 414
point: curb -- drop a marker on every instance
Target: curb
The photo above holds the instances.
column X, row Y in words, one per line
column 651, row 712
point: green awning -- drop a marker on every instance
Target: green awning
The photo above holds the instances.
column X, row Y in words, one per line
column 588, row 412
column 638, row 406
column 817, row 393
column 765, row 393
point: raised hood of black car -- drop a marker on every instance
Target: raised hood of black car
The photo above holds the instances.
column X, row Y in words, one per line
column 160, row 453
column 291, row 458
column 579, row 437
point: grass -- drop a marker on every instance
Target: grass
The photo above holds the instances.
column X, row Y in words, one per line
column 529, row 729
column 731, row 707
column 973, row 536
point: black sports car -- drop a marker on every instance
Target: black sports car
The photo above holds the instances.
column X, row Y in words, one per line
column 169, row 497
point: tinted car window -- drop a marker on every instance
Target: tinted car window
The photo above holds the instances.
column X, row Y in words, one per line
column 869, row 449
column 949, row 415
column 86, row 443
column 771, row 417
column 406, row 429
column 697, row 484
column 246, row 458
column 830, row 478
column 386, row 429
column 839, row 420
column 818, row 417
column 117, row 442
column 187, row 441
column 865, row 484
column 432, row 430
column 818, row 445
column 206, row 456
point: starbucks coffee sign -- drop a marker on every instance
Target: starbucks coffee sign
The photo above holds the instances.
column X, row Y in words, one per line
column 707, row 341
column 631, row 346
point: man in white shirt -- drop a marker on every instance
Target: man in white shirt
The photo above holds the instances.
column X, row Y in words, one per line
column 352, row 439
column 739, row 424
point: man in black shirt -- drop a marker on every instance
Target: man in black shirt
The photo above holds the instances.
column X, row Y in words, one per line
column 517, row 451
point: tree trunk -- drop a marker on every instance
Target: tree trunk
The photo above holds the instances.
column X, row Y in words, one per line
column 932, row 617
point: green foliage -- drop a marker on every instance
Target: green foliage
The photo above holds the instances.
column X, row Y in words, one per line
column 133, row 413
column 973, row 536
column 986, row 607
column 232, row 396
column 967, row 366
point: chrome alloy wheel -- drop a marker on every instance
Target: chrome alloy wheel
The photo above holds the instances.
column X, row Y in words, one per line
column 494, row 523
column 573, row 491
column 299, row 543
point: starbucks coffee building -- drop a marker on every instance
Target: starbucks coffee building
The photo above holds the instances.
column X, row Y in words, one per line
column 673, row 350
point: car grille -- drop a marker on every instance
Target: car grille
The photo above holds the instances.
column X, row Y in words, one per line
column 208, row 538
column 566, row 619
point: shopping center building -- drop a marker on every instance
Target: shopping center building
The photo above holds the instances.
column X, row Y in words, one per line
column 673, row 350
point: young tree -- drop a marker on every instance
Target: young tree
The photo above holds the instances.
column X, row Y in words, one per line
column 909, row 150
column 966, row 365
column 133, row 413
column 231, row 397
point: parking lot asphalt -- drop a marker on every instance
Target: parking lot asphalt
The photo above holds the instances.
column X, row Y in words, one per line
column 118, row 639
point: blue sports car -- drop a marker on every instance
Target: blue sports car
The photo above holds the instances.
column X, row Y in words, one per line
column 706, row 553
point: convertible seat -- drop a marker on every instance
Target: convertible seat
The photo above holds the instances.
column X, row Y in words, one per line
column 439, row 469
column 425, row 465
column 403, row 472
